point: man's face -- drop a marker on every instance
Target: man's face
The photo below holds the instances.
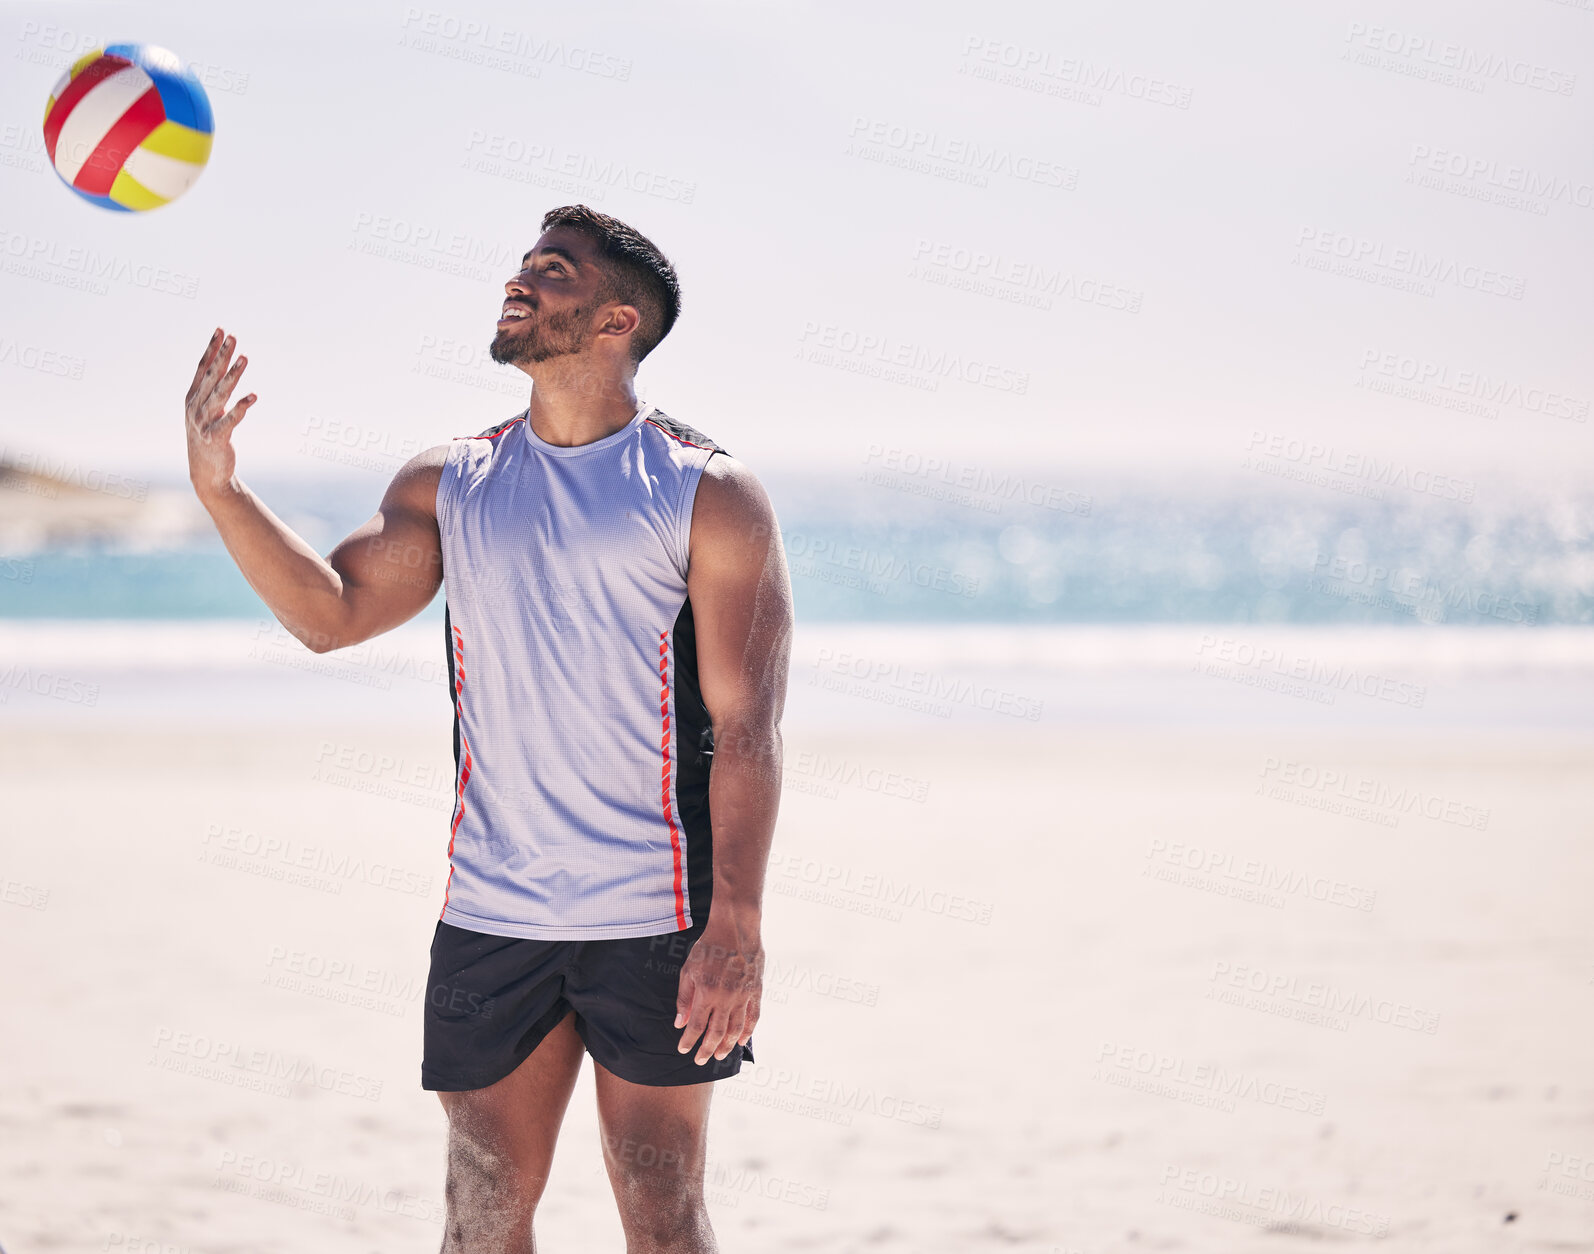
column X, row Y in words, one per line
column 549, row 306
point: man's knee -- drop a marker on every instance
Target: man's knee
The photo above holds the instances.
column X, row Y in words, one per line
column 658, row 1182
column 491, row 1196
column 487, row 1165
column 662, row 1206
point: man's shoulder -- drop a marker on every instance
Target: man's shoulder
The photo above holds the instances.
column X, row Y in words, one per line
column 497, row 429
column 416, row 483
column 682, row 433
column 730, row 501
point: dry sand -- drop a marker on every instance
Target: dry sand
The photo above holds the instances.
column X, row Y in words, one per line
column 994, row 1021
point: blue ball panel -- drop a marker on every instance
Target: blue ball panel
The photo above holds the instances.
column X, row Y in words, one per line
column 181, row 94
column 104, row 202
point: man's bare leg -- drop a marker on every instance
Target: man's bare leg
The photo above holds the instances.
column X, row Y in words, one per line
column 500, row 1146
column 655, row 1142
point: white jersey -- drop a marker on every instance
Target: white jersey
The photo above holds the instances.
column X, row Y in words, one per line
column 581, row 743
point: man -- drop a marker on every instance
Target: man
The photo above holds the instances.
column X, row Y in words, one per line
column 618, row 618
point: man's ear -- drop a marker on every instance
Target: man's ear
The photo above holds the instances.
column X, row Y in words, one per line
column 620, row 320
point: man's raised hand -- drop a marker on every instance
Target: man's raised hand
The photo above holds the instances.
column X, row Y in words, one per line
column 209, row 422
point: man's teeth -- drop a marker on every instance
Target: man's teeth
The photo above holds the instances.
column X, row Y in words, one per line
column 514, row 313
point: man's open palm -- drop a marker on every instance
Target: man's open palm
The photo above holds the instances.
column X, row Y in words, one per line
column 209, row 422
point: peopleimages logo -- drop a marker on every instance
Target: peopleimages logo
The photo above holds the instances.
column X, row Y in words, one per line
column 1503, row 177
column 855, row 566
column 1335, row 790
column 1316, row 457
column 15, row 678
column 1408, row 263
column 66, row 474
column 1015, row 280
column 209, row 1057
column 1116, row 1063
column 848, row 1097
column 44, row 360
column 36, row 257
column 432, row 247
column 1404, row 589
column 496, row 47
column 922, row 150
column 1060, row 72
column 936, row 363
column 836, row 773
column 1279, row 1209
column 1472, row 384
column 834, row 883
column 302, row 1187
column 1316, row 995
column 602, row 173
column 1336, row 675
column 932, row 686
column 1427, row 53
column 978, row 481
column 1250, row 879
column 225, row 845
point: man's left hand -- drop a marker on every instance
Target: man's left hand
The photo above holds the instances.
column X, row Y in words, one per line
column 722, row 983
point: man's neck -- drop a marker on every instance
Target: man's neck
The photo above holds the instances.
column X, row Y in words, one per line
column 575, row 406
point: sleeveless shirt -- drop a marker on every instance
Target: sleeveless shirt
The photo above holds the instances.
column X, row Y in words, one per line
column 581, row 743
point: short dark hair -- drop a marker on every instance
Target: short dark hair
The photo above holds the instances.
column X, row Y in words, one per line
column 636, row 272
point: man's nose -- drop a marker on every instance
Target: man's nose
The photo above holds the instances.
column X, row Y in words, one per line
column 517, row 286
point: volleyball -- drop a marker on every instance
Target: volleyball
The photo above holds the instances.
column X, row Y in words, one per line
column 128, row 127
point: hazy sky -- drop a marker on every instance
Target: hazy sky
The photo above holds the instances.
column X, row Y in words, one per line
column 1182, row 226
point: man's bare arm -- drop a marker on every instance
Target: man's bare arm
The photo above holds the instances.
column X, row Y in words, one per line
column 741, row 608
column 382, row 575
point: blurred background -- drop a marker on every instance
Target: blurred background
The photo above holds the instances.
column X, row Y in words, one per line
column 1179, row 422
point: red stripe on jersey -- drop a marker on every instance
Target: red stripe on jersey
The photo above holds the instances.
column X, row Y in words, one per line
column 675, row 437
column 669, row 815
column 493, row 435
column 465, row 764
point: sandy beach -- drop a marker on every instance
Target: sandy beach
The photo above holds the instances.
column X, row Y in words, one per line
column 1033, row 988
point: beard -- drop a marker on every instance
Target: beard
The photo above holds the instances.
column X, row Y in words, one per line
column 537, row 338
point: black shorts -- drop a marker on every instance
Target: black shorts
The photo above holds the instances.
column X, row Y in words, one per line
column 491, row 999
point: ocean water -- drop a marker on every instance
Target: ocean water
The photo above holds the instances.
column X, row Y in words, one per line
column 980, row 605
column 892, row 547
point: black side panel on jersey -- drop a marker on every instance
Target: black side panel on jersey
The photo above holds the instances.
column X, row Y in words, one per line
column 694, row 730
column 694, row 738
column 691, row 435
column 453, row 687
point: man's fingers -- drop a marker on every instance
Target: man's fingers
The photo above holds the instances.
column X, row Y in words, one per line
column 688, row 1012
column 219, row 361
column 733, row 1030
column 228, row 382
column 694, row 1027
column 204, row 361
column 754, row 1008
column 713, row 1034
column 236, row 414
column 685, row 991
column 697, row 1019
column 221, row 426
